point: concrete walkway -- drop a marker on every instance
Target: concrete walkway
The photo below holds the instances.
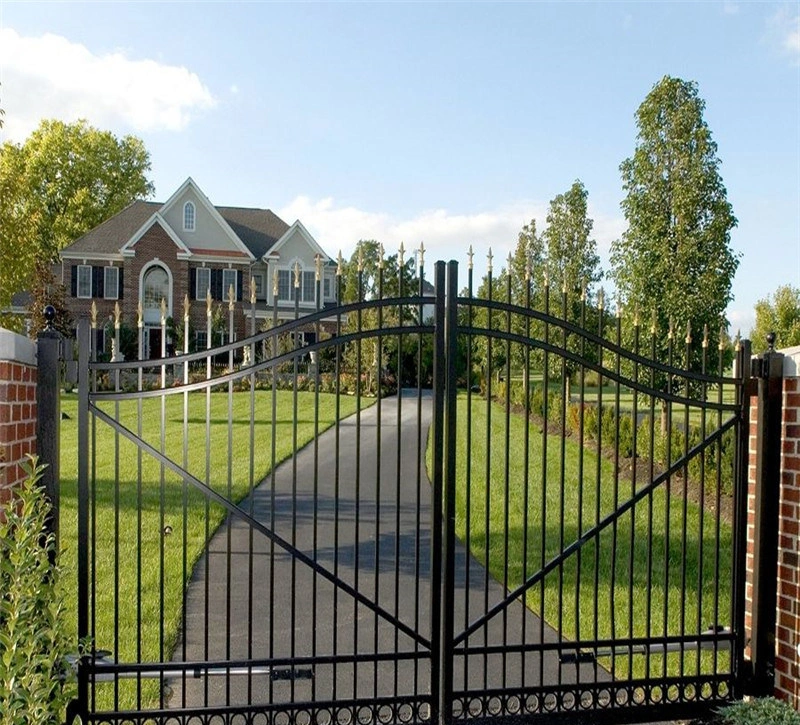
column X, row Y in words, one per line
column 248, row 600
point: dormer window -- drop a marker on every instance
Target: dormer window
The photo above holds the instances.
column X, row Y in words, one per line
column 188, row 217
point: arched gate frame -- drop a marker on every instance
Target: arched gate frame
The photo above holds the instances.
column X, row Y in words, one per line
column 444, row 508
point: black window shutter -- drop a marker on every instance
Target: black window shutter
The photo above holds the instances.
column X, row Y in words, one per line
column 74, row 281
column 216, row 284
column 120, row 285
column 193, row 284
column 239, row 277
column 97, row 281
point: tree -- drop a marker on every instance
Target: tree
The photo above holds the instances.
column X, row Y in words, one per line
column 779, row 313
column 675, row 260
column 573, row 264
column 62, row 181
column 47, row 290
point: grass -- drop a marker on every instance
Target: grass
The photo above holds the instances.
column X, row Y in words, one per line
column 141, row 571
column 634, row 570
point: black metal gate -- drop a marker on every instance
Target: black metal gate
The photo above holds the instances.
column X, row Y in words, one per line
column 445, row 507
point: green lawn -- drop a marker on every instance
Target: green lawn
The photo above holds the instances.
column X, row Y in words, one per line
column 633, row 568
column 139, row 570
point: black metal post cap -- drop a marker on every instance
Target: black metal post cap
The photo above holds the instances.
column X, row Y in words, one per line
column 771, row 341
column 49, row 316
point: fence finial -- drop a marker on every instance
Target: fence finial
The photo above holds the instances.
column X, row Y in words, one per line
column 654, row 322
column 231, row 297
column 163, row 312
column 421, row 255
column 208, row 302
column 601, row 298
column 275, row 286
column 187, row 306
column 470, row 255
column 297, row 275
column 360, row 257
column 49, row 313
column 139, row 315
column 705, row 335
column 400, row 254
column 381, row 252
column 117, row 315
column 489, row 258
column 688, row 339
column 253, row 290
column 339, row 264
column 771, row 341
column 94, row 315
column 721, row 344
column 636, row 315
column 671, row 332
column 318, row 267
column 737, row 343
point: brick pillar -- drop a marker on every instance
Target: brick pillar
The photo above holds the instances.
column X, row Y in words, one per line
column 787, row 654
column 17, row 408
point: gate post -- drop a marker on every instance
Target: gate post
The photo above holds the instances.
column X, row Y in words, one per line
column 768, row 368
column 448, row 520
column 48, row 422
column 439, row 374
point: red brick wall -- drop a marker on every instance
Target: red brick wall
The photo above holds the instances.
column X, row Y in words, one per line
column 787, row 663
column 17, row 422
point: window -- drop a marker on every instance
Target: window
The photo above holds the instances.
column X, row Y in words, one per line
column 309, row 283
column 285, row 285
column 202, row 282
column 156, row 288
column 228, row 280
column 258, row 281
column 111, row 283
column 201, row 340
column 84, row 281
column 326, row 288
column 188, row 217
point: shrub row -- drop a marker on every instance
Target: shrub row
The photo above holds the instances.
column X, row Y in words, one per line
column 615, row 429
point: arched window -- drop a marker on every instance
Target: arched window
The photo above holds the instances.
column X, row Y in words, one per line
column 154, row 289
column 188, row 216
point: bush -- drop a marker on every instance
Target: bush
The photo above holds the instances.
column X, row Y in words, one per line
column 33, row 643
column 762, row 711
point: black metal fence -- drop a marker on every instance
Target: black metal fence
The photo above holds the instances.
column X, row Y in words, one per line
column 482, row 507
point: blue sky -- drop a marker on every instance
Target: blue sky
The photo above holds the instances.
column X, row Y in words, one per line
column 445, row 123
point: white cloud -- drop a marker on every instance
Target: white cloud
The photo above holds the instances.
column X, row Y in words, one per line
column 741, row 321
column 730, row 8
column 51, row 77
column 783, row 32
column 446, row 235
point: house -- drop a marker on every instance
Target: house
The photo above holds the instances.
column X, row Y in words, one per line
column 186, row 246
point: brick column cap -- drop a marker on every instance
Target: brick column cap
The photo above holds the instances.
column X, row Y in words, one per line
column 791, row 361
column 17, row 348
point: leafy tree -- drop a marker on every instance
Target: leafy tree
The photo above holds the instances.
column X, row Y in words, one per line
column 675, row 259
column 75, row 177
column 778, row 313
column 17, row 229
column 47, row 290
column 62, row 181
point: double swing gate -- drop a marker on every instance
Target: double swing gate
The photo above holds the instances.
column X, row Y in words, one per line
column 443, row 507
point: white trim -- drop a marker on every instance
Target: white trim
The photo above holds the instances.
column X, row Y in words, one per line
column 101, row 257
column 127, row 249
column 211, row 209
column 297, row 226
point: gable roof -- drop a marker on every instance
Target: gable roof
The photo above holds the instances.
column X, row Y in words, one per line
column 289, row 233
column 258, row 229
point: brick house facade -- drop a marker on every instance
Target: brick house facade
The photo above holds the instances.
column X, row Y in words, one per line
column 185, row 248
